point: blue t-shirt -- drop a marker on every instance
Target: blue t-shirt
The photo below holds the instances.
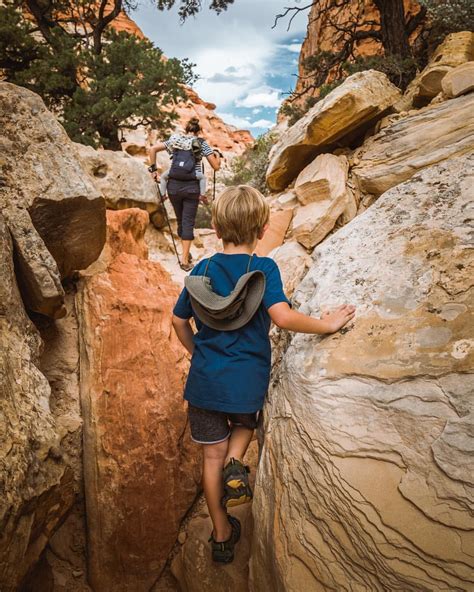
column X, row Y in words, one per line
column 230, row 370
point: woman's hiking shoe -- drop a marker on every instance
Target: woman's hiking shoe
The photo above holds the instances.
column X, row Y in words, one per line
column 236, row 484
column 224, row 552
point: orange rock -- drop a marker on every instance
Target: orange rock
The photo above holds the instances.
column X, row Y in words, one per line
column 275, row 235
column 320, row 34
column 141, row 472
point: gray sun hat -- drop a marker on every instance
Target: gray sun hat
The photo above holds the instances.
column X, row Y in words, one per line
column 226, row 313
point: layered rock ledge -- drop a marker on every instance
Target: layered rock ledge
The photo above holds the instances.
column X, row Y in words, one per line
column 364, row 481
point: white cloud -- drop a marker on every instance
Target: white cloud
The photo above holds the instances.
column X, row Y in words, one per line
column 235, row 53
column 245, row 122
column 256, row 111
column 264, row 96
column 263, row 123
column 293, row 47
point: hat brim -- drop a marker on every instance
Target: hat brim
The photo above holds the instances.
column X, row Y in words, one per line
column 205, row 301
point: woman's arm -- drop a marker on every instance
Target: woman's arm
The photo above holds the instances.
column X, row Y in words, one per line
column 286, row 318
column 153, row 150
column 214, row 160
column 184, row 332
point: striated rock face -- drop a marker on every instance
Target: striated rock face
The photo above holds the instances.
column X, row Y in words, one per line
column 141, row 473
column 324, row 178
column 36, row 479
column 335, row 120
column 41, row 174
column 427, row 137
column 365, row 480
column 322, row 186
column 456, row 49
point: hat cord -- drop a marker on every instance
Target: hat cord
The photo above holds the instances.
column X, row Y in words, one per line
column 248, row 266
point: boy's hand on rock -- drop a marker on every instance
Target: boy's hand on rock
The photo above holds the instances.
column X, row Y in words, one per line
column 338, row 317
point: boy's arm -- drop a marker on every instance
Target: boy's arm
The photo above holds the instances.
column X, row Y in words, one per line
column 184, row 332
column 286, row 318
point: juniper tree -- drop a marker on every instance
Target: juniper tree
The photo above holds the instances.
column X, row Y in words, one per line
column 96, row 91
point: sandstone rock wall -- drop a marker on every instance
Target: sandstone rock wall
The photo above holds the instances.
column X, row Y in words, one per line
column 364, row 481
column 53, row 224
column 141, row 473
column 37, row 477
column 42, row 176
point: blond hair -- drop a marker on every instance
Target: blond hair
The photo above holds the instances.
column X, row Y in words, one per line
column 239, row 214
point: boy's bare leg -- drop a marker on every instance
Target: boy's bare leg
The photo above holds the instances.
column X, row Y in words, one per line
column 213, row 463
column 238, row 443
column 186, row 248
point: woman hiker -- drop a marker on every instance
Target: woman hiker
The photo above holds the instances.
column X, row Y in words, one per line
column 187, row 152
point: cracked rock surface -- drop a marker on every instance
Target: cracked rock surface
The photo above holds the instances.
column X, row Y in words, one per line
column 365, row 481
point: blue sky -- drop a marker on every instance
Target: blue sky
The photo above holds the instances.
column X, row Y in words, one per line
column 245, row 66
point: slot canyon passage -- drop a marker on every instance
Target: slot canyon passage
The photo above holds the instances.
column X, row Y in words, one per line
column 363, row 466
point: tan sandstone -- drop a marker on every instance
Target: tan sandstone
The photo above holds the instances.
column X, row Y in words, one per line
column 123, row 180
column 324, row 178
column 336, row 120
column 37, row 481
column 456, row 49
column 364, row 481
column 140, row 470
column 41, row 174
column 459, row 81
column 275, row 235
column 322, row 186
column 293, row 261
column 412, row 143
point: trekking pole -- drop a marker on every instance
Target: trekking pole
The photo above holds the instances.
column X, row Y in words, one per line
column 157, row 186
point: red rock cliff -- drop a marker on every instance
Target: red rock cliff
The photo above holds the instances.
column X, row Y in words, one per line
column 320, row 34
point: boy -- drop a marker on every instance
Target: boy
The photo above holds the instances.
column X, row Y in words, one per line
column 230, row 370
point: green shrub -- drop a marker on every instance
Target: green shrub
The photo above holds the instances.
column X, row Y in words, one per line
column 396, row 69
column 448, row 16
column 251, row 166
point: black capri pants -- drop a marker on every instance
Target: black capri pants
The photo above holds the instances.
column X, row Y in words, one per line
column 185, row 207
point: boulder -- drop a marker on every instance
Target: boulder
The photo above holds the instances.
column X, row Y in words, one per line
column 41, row 174
column 403, row 148
column 37, row 481
column 322, row 185
column 141, row 472
column 459, row 81
column 338, row 119
column 37, row 273
column 122, row 179
column 363, row 482
column 456, row 49
column 275, row 235
column 287, row 200
column 325, row 178
column 293, row 261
